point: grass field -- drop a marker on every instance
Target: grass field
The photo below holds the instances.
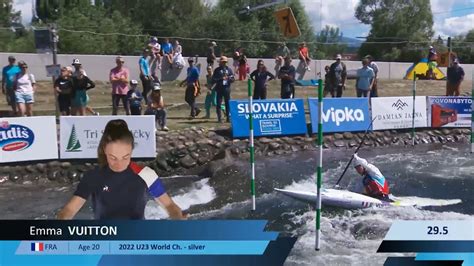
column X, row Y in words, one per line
column 178, row 114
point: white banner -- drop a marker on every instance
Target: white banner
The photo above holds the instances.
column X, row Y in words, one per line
column 397, row 112
column 28, row 138
column 80, row 135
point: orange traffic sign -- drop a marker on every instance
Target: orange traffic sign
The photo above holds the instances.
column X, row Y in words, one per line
column 287, row 22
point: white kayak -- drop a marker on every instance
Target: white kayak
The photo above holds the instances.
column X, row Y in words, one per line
column 351, row 200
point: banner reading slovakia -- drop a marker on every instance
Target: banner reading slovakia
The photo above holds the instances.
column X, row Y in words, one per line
column 454, row 111
column 341, row 114
column 80, row 135
column 270, row 117
column 397, row 112
column 28, row 138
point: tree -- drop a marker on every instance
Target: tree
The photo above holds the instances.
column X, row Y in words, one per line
column 330, row 37
column 13, row 35
column 463, row 46
column 91, row 30
column 51, row 10
column 401, row 29
column 256, row 26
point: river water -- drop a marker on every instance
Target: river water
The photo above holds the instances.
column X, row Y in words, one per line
column 426, row 174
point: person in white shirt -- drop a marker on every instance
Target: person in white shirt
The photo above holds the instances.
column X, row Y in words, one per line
column 24, row 86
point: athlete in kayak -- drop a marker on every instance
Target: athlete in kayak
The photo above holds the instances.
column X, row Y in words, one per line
column 119, row 188
column 375, row 184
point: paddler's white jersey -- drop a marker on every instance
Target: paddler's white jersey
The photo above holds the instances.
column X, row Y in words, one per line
column 372, row 170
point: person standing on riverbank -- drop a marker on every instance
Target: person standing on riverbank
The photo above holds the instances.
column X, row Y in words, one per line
column 223, row 77
column 365, row 79
column 119, row 78
column 8, row 77
column 25, row 87
column 64, row 90
column 337, row 77
column 260, row 76
column 455, row 78
column 192, row 88
column 287, row 75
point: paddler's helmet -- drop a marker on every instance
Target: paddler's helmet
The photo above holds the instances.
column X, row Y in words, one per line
column 359, row 161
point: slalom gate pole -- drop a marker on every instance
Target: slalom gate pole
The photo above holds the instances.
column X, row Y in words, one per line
column 413, row 114
column 472, row 114
column 252, row 148
column 319, row 169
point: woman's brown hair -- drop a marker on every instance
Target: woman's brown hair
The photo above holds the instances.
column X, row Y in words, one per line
column 115, row 130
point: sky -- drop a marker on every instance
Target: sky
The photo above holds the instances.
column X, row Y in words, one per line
column 451, row 17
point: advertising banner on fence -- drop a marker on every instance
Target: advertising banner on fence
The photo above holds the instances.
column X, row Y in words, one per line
column 341, row 114
column 80, row 136
column 444, row 111
column 270, row 117
column 397, row 112
column 28, row 138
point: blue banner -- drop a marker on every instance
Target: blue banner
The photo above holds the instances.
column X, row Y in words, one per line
column 453, row 111
column 341, row 114
column 273, row 117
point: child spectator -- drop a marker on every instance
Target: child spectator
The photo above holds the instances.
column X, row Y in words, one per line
column 156, row 107
column 81, row 84
column 327, row 83
column 134, row 98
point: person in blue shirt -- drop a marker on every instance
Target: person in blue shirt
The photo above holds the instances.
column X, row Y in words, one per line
column 193, row 88
column 222, row 78
column 134, row 98
column 145, row 75
column 365, row 79
column 167, row 49
column 9, row 73
column 118, row 187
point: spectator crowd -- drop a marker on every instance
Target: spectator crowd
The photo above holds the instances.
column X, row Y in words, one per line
column 72, row 86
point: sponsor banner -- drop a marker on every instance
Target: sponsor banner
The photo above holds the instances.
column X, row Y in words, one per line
column 397, row 112
column 28, row 138
column 445, row 111
column 341, row 114
column 80, row 135
column 270, row 117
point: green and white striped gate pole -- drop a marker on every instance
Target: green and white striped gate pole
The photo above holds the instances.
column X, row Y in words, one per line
column 252, row 149
column 320, row 164
column 413, row 114
column 472, row 114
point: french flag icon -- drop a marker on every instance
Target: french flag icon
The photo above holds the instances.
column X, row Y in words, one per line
column 37, row 246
